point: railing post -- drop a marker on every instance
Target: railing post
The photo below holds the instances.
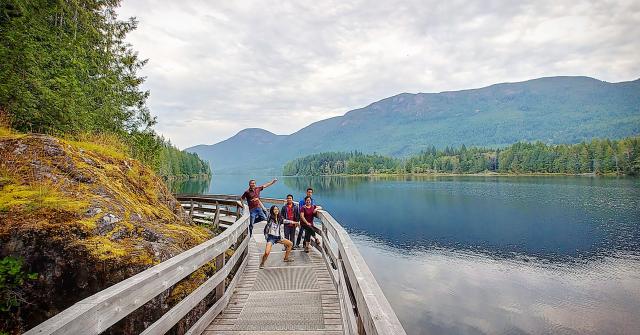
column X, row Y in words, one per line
column 361, row 330
column 191, row 209
column 219, row 265
column 216, row 217
column 325, row 244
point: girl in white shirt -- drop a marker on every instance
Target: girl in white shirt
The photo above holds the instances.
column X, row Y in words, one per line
column 273, row 234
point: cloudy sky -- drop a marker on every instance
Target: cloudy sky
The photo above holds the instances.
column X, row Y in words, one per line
column 217, row 67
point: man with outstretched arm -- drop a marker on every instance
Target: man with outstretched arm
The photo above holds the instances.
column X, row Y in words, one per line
column 252, row 195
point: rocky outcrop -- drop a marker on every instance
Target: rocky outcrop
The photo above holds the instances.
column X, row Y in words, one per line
column 83, row 217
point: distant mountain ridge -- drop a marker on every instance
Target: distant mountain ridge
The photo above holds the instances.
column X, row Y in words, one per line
column 550, row 109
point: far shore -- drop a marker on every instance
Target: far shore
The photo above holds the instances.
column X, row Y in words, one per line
column 480, row 174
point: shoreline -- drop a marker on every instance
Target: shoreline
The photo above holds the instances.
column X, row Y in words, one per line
column 185, row 177
column 482, row 174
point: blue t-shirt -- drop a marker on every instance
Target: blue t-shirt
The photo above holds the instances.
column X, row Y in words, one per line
column 302, row 202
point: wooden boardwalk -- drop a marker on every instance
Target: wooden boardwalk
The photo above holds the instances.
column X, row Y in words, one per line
column 283, row 298
column 329, row 290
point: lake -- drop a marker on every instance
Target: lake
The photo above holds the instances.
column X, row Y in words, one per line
column 488, row 255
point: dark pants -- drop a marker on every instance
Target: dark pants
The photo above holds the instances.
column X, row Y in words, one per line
column 290, row 233
column 300, row 235
column 308, row 232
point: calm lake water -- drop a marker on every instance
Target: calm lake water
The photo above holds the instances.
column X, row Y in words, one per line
column 488, row 255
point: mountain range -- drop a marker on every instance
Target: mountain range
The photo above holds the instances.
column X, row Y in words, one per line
column 551, row 109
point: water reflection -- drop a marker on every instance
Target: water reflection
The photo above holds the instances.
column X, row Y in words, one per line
column 554, row 218
column 188, row 186
column 322, row 185
column 490, row 255
column 559, row 219
column 453, row 292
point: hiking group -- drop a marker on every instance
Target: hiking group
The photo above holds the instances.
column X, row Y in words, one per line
column 282, row 222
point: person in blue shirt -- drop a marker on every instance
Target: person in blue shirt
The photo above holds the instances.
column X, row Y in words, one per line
column 291, row 212
column 301, row 204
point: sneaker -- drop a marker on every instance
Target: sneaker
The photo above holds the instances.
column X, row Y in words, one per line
column 289, row 260
column 262, row 266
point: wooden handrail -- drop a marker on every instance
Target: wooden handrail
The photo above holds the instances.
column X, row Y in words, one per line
column 172, row 317
column 226, row 200
column 375, row 315
column 100, row 311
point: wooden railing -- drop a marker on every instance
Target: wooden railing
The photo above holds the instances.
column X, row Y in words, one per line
column 364, row 308
column 98, row 312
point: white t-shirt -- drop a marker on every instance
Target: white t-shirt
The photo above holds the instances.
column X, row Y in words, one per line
column 274, row 228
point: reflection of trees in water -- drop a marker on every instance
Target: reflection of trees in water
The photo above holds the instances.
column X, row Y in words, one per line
column 189, row 186
column 324, row 184
column 327, row 184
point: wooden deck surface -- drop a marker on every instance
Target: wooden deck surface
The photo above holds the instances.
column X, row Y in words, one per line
column 283, row 298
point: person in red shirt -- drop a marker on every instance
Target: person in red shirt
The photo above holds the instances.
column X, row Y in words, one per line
column 291, row 212
column 307, row 212
column 313, row 203
column 256, row 210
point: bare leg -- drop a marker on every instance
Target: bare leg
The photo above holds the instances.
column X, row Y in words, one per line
column 288, row 245
column 267, row 250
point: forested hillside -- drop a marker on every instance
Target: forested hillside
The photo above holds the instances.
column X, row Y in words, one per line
column 596, row 156
column 553, row 110
column 176, row 163
column 66, row 70
column 81, row 207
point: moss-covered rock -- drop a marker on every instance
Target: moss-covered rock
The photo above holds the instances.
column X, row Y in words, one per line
column 84, row 216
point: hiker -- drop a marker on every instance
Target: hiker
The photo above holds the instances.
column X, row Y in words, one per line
column 306, row 217
column 272, row 232
column 256, row 209
column 301, row 204
column 291, row 212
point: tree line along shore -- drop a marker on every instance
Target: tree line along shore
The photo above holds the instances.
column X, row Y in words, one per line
column 598, row 156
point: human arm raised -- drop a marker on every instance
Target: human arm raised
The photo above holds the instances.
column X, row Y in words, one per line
column 270, row 183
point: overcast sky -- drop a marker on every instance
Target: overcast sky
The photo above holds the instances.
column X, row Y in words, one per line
column 217, row 67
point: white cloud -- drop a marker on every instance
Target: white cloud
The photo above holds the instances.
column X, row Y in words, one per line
column 218, row 67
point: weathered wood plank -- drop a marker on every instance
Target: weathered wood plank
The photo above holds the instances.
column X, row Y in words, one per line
column 210, row 198
column 204, row 210
column 273, row 201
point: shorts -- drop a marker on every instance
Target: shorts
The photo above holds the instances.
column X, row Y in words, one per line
column 273, row 239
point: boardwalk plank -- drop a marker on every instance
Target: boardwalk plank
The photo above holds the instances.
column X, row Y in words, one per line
column 284, row 298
